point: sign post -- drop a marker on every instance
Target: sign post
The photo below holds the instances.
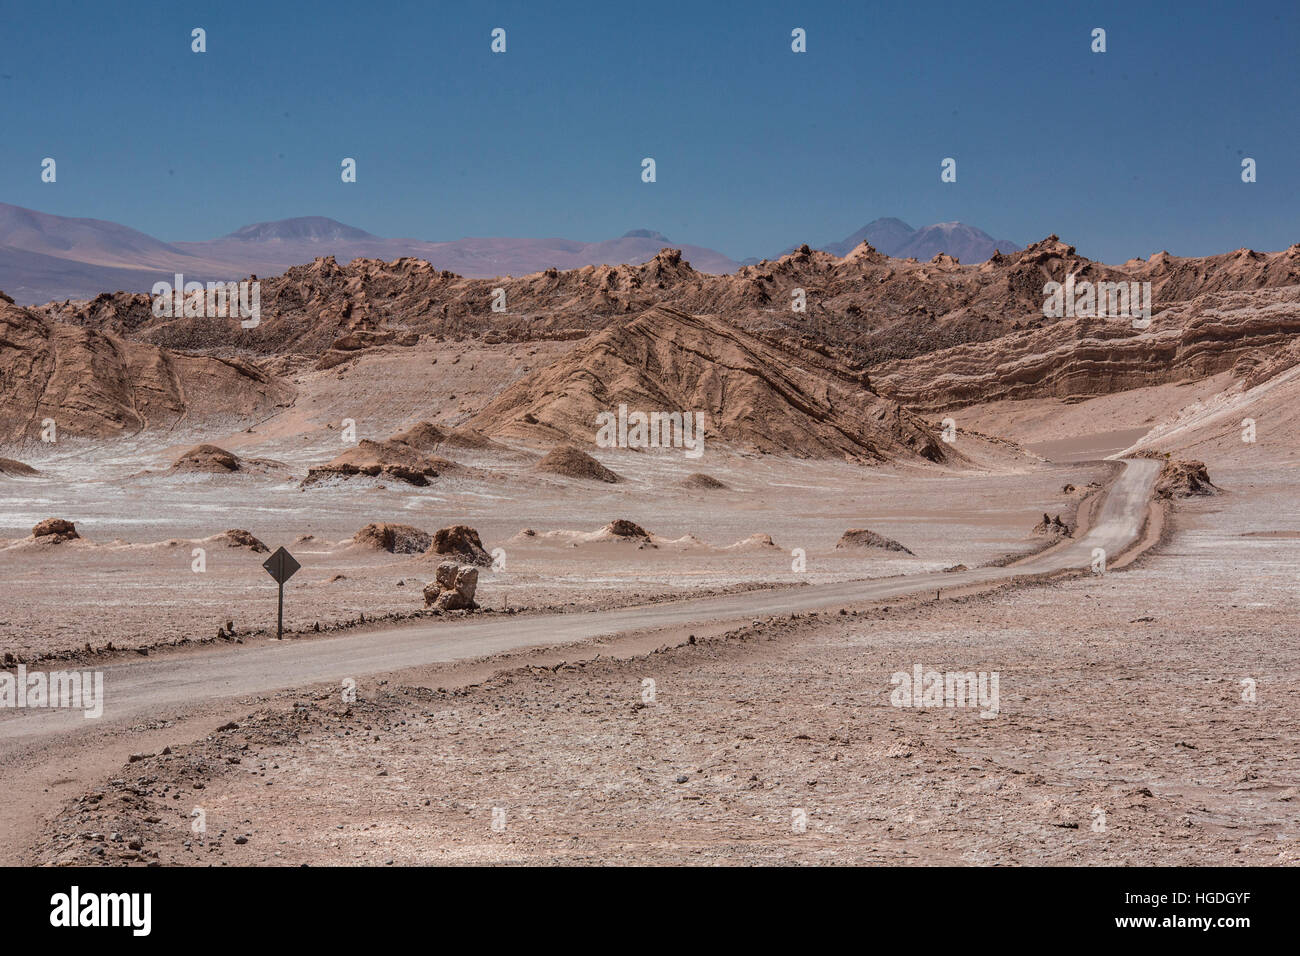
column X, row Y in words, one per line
column 282, row 567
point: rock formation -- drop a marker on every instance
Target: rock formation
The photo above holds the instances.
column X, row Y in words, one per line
column 207, row 458
column 571, row 463
column 1053, row 527
column 16, row 469
column 460, row 542
column 239, row 538
column 96, row 384
column 393, row 538
column 860, row 538
column 752, row 394
column 54, row 530
column 453, row 588
column 390, row 459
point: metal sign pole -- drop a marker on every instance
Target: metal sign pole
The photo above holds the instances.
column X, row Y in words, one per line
column 282, row 567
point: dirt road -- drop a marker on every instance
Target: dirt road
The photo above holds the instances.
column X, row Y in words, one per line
column 149, row 687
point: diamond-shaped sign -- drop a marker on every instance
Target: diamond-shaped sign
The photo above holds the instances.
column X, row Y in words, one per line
column 281, row 565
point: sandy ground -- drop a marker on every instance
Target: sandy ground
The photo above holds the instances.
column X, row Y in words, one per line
column 1122, row 734
column 131, row 581
column 1122, row 737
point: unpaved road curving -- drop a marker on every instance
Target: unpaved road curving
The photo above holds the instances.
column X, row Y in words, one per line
column 149, row 687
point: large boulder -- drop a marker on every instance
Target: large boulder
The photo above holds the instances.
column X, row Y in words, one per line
column 53, row 530
column 461, row 542
column 453, row 588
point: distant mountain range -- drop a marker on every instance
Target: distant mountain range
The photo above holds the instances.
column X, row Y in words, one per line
column 45, row 258
column 896, row 238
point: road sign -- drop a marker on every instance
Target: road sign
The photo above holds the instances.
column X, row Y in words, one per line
column 282, row 567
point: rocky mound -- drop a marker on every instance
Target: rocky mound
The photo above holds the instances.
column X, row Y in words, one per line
column 860, row 538
column 95, row 384
column 239, row 538
column 569, row 462
column 622, row 528
column 208, row 459
column 390, row 459
column 1053, row 527
column 702, row 482
column 54, row 530
column 1184, row 479
column 424, row 436
column 16, row 469
column 394, row 538
column 755, row 542
column 461, row 542
column 752, row 393
column 465, row 437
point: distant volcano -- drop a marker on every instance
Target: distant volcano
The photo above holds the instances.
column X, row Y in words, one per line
column 896, row 238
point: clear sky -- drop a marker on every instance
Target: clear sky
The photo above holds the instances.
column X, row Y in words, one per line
column 1123, row 153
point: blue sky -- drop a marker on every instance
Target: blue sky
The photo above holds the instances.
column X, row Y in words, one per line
column 1123, row 153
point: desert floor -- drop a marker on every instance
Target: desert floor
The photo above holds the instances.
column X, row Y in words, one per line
column 1122, row 735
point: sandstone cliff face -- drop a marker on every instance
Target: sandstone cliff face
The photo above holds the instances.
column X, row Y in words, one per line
column 95, row 384
column 1075, row 357
column 933, row 335
column 865, row 305
column 753, row 394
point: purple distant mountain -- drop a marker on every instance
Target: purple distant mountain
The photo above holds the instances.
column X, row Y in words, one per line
column 896, row 238
column 45, row 257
